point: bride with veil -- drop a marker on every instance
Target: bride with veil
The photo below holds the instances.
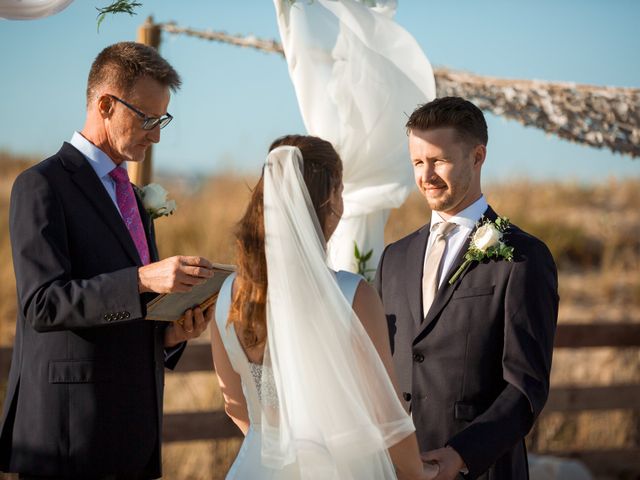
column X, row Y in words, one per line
column 301, row 352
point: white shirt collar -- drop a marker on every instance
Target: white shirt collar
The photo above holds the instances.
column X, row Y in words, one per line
column 467, row 217
column 98, row 160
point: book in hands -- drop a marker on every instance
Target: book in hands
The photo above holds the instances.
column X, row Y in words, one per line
column 169, row 307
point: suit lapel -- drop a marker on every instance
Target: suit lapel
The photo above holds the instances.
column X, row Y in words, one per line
column 88, row 182
column 415, row 262
column 443, row 296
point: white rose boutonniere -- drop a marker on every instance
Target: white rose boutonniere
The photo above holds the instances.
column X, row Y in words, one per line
column 486, row 236
column 486, row 243
column 154, row 200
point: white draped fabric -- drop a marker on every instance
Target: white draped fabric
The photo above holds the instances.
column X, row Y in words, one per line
column 357, row 75
column 31, row 9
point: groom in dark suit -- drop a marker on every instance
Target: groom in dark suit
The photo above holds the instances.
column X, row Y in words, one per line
column 472, row 355
column 84, row 396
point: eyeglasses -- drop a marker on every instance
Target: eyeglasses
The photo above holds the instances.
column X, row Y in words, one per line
column 148, row 123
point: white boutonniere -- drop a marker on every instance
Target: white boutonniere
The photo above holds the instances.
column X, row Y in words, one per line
column 154, row 200
column 486, row 243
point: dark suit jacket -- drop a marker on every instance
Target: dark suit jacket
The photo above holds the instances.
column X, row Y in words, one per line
column 86, row 382
column 475, row 371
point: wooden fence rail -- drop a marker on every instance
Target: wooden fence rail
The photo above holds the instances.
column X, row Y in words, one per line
column 197, row 357
column 211, row 425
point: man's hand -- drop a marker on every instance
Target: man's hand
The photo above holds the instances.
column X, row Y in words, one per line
column 191, row 325
column 174, row 274
column 429, row 472
column 448, row 460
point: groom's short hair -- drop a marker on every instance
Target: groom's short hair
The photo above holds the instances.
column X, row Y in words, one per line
column 453, row 112
column 122, row 64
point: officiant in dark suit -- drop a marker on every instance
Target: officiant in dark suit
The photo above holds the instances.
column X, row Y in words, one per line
column 472, row 341
column 84, row 396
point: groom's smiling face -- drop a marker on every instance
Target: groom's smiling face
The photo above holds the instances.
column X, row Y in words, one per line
column 446, row 168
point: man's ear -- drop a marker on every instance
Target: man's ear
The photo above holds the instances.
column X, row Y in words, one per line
column 479, row 154
column 105, row 106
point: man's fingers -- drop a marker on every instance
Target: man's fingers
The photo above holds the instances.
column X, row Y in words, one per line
column 199, row 272
column 200, row 323
column 187, row 324
column 192, row 323
column 195, row 261
column 431, row 456
column 188, row 280
column 432, row 470
column 427, row 457
column 179, row 287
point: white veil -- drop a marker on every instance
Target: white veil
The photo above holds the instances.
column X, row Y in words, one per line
column 337, row 411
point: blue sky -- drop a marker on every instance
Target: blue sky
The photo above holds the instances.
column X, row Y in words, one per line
column 235, row 101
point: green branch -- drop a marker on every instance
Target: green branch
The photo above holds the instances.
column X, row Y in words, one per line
column 361, row 260
column 118, row 6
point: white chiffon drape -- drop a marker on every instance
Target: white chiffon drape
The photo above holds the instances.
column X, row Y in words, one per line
column 357, row 76
column 31, row 9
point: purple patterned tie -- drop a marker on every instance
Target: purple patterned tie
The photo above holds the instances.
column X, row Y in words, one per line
column 129, row 210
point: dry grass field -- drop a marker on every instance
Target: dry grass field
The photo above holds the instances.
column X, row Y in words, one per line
column 592, row 231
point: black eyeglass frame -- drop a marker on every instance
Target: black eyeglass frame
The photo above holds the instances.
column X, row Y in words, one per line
column 148, row 123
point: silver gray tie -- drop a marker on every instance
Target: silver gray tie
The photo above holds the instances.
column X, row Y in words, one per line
column 432, row 261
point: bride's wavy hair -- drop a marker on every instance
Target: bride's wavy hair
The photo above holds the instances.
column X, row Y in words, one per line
column 322, row 174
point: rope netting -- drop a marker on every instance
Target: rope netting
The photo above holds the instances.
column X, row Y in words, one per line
column 601, row 117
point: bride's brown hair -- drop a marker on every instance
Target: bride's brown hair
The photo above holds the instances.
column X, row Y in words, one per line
column 322, row 173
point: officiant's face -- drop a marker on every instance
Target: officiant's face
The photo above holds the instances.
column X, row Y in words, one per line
column 127, row 139
column 446, row 168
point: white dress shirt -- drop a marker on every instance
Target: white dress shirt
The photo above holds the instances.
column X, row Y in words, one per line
column 100, row 162
column 466, row 221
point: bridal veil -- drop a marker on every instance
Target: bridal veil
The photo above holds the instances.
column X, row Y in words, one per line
column 337, row 411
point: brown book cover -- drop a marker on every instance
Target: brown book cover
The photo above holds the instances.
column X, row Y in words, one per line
column 169, row 307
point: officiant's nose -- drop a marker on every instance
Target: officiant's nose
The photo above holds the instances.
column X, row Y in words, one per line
column 153, row 135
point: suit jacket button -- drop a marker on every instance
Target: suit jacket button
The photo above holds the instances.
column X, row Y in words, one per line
column 418, row 357
column 406, row 396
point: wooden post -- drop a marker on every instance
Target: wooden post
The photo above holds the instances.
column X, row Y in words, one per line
column 141, row 173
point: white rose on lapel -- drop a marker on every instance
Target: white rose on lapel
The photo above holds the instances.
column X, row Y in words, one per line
column 154, row 200
column 486, row 236
column 485, row 244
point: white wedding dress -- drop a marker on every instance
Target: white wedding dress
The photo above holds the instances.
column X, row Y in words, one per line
column 322, row 405
column 248, row 463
